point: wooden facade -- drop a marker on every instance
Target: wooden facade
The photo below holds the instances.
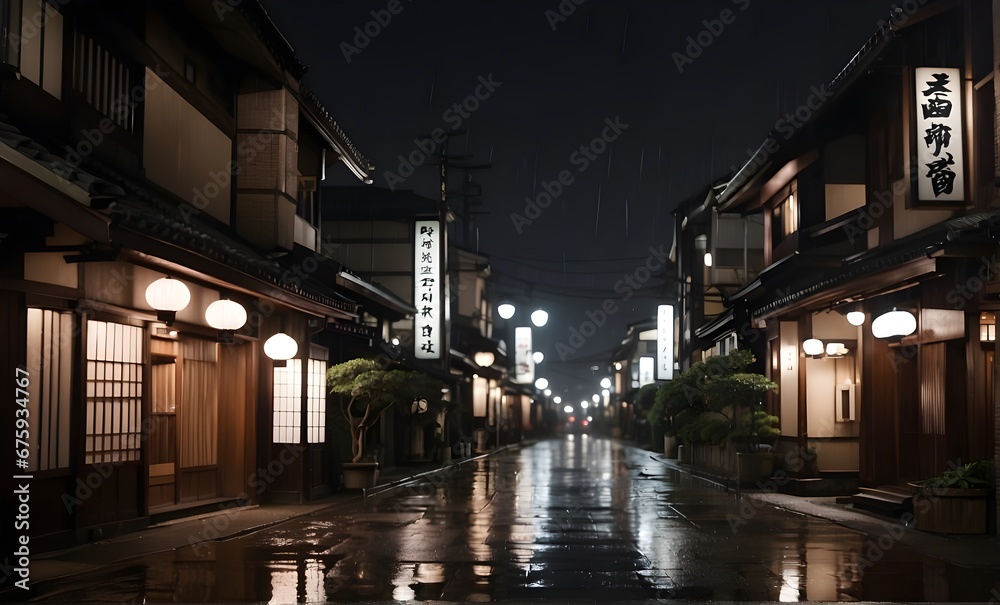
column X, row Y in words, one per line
column 862, row 240
column 140, row 145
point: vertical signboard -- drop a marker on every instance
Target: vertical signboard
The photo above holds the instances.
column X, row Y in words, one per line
column 524, row 364
column 940, row 161
column 664, row 342
column 427, row 327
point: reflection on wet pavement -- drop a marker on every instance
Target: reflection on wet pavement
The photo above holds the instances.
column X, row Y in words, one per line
column 575, row 519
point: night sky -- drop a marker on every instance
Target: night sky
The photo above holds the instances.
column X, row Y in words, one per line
column 635, row 105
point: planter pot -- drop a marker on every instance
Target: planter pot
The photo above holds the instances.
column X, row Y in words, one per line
column 360, row 475
column 754, row 467
column 950, row 510
column 670, row 446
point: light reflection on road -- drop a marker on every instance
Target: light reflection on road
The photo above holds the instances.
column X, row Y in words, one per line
column 580, row 518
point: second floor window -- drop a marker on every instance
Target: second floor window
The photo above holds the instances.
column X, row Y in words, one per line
column 786, row 213
column 31, row 34
column 105, row 82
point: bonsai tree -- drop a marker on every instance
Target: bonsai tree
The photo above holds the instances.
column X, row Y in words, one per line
column 717, row 401
column 367, row 390
column 739, row 397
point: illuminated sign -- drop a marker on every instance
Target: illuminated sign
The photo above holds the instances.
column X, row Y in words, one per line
column 427, row 325
column 664, row 342
column 940, row 161
column 524, row 364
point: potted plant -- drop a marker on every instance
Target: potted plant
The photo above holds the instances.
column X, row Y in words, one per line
column 367, row 390
column 955, row 501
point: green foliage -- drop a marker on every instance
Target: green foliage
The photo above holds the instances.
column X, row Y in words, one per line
column 972, row 475
column 717, row 401
column 367, row 389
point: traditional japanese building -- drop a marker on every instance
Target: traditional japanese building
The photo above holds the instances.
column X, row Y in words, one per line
column 877, row 296
column 161, row 274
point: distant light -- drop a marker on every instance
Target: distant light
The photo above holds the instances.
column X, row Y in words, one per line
column 539, row 317
column 395, row 342
column 596, row 397
column 584, row 404
column 605, row 383
column 538, row 356
column 557, row 400
column 506, row 310
column 484, row 358
column 708, row 259
column 605, row 392
column 856, row 318
column 590, row 418
column 548, row 392
column 568, row 409
column 618, row 365
column 542, row 383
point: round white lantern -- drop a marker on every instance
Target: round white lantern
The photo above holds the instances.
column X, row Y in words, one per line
column 812, row 346
column 856, row 318
column 538, row 356
column 835, row 349
column 539, row 317
column 542, row 383
column 226, row 314
column 281, row 347
column 506, row 310
column 168, row 294
column 894, row 324
column 484, row 359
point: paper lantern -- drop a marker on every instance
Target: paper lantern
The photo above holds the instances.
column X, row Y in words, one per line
column 894, row 324
column 226, row 314
column 281, row 347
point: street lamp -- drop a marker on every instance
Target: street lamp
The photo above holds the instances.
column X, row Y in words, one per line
column 539, row 317
column 557, row 400
column 506, row 310
column 538, row 356
column 605, row 383
column 542, row 383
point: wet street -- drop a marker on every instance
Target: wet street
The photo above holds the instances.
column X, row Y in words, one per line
column 574, row 519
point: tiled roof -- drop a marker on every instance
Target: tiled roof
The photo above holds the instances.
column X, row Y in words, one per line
column 139, row 209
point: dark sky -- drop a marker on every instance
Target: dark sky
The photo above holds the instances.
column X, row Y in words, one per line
column 697, row 82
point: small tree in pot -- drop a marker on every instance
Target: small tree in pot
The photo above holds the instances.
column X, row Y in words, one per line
column 367, row 390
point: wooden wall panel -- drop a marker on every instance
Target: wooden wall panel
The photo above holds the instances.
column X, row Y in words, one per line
column 931, row 452
column 235, row 410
